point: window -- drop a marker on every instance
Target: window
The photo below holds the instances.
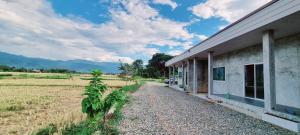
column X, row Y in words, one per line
column 179, row 74
column 219, row 74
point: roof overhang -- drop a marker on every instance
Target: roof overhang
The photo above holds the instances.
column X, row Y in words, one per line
column 282, row 16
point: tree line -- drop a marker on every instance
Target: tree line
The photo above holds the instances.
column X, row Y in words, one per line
column 4, row 68
column 155, row 68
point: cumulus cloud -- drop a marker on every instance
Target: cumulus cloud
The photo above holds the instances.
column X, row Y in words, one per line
column 202, row 37
column 175, row 52
column 222, row 27
column 35, row 30
column 166, row 2
column 229, row 10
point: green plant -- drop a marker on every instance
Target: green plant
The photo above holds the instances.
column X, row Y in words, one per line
column 92, row 105
column 49, row 130
column 116, row 99
column 96, row 106
column 111, row 99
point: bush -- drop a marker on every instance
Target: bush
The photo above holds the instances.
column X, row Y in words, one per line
column 94, row 105
column 6, row 75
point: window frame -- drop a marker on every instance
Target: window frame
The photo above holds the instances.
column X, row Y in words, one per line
column 244, row 81
column 219, row 79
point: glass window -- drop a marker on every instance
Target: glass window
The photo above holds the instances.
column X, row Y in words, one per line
column 180, row 74
column 259, row 81
column 219, row 74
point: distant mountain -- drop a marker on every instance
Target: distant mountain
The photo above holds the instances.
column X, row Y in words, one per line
column 38, row 63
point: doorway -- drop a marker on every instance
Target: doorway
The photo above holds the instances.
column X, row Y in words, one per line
column 254, row 81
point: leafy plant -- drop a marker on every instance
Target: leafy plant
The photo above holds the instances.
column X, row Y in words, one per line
column 116, row 99
column 111, row 99
column 94, row 104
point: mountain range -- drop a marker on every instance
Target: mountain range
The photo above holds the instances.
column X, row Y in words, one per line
column 39, row 63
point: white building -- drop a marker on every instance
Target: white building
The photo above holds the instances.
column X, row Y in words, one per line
column 252, row 65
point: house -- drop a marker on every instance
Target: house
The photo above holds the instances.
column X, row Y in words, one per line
column 252, row 65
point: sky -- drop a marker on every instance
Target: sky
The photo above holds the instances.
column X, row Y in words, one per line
column 113, row 30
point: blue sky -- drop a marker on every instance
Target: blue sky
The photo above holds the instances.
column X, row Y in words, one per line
column 113, row 30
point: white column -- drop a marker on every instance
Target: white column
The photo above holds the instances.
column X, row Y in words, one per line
column 269, row 70
column 195, row 79
column 188, row 75
column 173, row 83
column 169, row 75
column 210, row 74
column 183, row 74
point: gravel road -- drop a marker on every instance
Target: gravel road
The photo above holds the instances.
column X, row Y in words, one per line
column 156, row 109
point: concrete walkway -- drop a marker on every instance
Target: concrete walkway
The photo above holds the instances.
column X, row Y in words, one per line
column 156, row 109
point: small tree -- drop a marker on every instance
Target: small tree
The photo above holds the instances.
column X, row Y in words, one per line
column 94, row 104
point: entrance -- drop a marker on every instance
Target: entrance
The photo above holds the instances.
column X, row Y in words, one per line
column 254, row 81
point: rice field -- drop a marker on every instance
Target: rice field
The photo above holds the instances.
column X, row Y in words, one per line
column 35, row 100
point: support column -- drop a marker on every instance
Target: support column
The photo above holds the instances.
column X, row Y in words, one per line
column 195, row 77
column 269, row 70
column 183, row 75
column 169, row 76
column 210, row 74
column 188, row 76
column 173, row 82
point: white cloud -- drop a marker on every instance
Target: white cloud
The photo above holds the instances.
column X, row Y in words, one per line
column 222, row 27
column 202, row 37
column 175, row 52
column 35, row 30
column 229, row 10
column 166, row 2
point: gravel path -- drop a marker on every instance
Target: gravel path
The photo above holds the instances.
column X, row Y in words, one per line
column 156, row 109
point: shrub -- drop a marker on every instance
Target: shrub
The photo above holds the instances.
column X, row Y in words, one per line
column 94, row 105
column 6, row 75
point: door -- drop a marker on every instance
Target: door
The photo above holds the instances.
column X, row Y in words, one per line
column 254, row 81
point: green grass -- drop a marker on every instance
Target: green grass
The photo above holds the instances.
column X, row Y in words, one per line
column 102, row 79
column 49, row 130
column 6, row 75
column 133, row 88
column 3, row 76
column 26, row 76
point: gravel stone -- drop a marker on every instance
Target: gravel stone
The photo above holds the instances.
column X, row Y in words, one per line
column 156, row 109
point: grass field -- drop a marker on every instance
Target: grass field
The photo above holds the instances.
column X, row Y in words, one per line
column 31, row 101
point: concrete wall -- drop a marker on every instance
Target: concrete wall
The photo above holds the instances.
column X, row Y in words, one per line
column 234, row 63
column 287, row 71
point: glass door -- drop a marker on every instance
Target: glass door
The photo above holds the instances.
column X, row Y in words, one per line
column 254, row 81
column 249, row 81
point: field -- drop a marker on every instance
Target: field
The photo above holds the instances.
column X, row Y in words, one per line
column 31, row 101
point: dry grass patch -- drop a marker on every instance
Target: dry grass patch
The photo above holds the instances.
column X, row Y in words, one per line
column 27, row 105
column 36, row 107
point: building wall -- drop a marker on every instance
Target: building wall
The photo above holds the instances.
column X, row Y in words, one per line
column 234, row 63
column 287, row 70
